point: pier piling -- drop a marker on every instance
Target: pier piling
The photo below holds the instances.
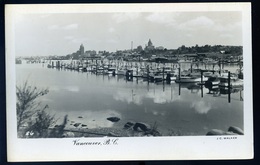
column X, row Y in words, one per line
column 148, row 77
column 201, row 88
column 179, row 73
column 96, row 67
column 229, row 86
column 179, row 89
column 163, row 74
column 201, row 77
column 219, row 65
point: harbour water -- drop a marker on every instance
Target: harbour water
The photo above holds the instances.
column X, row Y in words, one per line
column 185, row 109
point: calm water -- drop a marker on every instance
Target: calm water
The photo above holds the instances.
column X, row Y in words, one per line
column 172, row 107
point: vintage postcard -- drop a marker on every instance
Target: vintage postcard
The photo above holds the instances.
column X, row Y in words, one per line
column 129, row 82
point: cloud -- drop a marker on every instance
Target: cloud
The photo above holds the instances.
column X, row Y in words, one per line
column 68, row 37
column 122, row 17
column 53, row 27
column 201, row 22
column 201, row 107
column 226, row 36
column 228, row 27
column 71, row 27
column 111, row 29
column 80, row 40
column 76, row 39
column 188, row 35
column 112, row 41
column 162, row 18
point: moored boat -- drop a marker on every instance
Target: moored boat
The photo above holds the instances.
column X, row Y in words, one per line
column 212, row 81
column 188, row 76
column 111, row 70
column 80, row 67
column 190, row 79
column 234, row 82
column 121, row 72
column 158, row 78
column 171, row 77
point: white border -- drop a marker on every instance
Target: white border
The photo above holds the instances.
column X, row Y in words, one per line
column 163, row 148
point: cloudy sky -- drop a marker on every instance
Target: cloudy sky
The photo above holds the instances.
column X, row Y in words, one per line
column 62, row 34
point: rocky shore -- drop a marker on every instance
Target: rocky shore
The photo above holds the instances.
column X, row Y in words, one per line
column 78, row 128
column 129, row 129
column 231, row 131
column 134, row 129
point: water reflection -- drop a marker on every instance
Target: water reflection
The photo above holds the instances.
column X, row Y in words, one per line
column 137, row 96
column 97, row 97
column 201, row 107
column 67, row 88
column 128, row 97
column 161, row 97
column 155, row 112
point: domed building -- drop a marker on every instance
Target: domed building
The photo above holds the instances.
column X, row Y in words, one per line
column 150, row 45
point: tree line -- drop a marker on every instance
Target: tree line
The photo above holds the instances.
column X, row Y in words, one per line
column 234, row 50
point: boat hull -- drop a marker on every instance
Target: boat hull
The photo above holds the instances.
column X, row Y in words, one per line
column 190, row 79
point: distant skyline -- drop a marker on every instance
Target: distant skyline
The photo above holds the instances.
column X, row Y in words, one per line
column 62, row 34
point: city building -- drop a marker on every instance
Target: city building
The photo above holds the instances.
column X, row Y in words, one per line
column 139, row 48
column 149, row 46
column 81, row 50
column 91, row 53
column 160, row 48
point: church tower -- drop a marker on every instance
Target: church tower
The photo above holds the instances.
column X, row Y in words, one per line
column 150, row 43
column 81, row 50
column 149, row 46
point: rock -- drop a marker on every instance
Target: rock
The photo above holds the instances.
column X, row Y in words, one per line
column 83, row 125
column 236, row 130
column 68, row 134
column 230, row 133
column 76, row 124
column 220, row 132
column 80, row 117
column 153, row 133
column 128, row 125
column 113, row 119
column 139, row 134
column 216, row 132
column 58, row 126
column 142, row 127
column 111, row 134
column 148, row 135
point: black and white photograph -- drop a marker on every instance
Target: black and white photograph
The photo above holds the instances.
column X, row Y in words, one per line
column 130, row 79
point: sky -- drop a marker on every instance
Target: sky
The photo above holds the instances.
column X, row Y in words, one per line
column 62, row 34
